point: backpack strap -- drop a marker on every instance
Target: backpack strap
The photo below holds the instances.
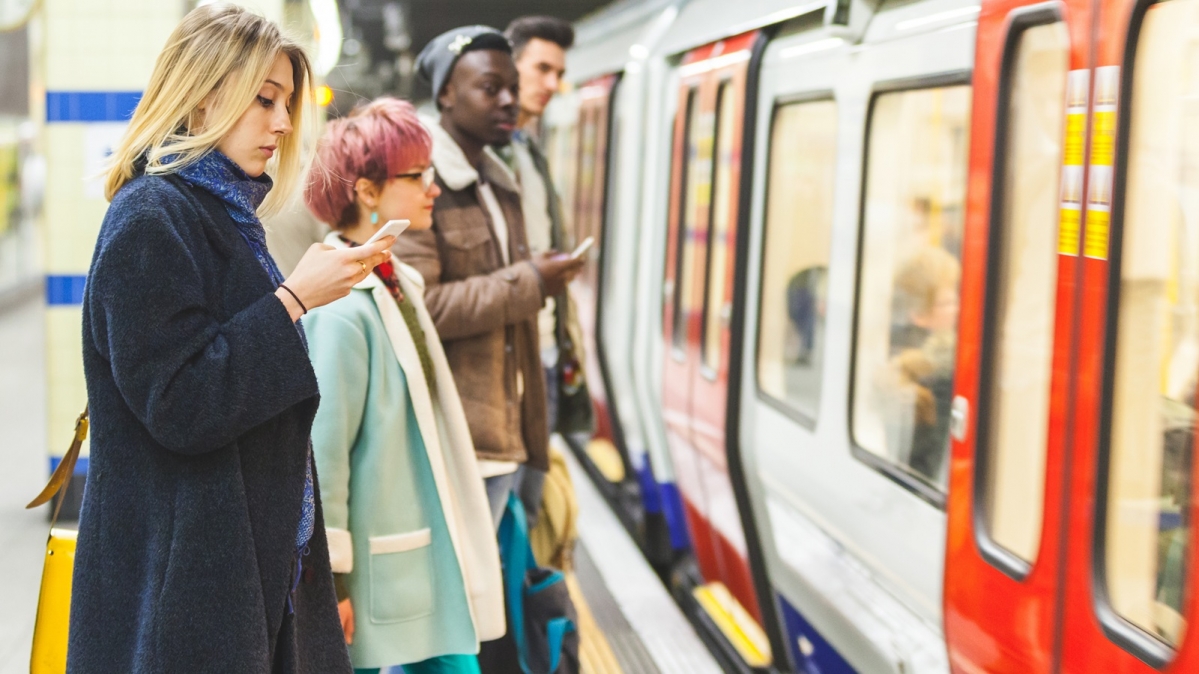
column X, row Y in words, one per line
column 518, row 559
column 556, row 630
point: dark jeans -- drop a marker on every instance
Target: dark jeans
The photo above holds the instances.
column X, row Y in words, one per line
column 532, row 481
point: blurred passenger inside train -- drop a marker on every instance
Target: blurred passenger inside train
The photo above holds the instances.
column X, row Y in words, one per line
column 483, row 286
column 806, row 309
column 201, row 540
column 413, row 551
column 539, row 45
column 923, row 347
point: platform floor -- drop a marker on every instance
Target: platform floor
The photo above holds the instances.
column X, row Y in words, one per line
column 629, row 624
column 22, row 474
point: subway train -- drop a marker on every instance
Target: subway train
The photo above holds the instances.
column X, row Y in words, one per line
column 892, row 328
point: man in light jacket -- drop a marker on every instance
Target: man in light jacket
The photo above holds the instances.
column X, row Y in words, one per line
column 539, row 45
column 484, row 287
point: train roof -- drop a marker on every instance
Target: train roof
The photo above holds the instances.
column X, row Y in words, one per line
column 703, row 21
column 623, row 31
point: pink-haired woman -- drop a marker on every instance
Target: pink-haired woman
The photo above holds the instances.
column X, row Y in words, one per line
column 411, row 542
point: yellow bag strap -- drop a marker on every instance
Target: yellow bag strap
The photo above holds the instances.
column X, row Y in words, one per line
column 66, row 468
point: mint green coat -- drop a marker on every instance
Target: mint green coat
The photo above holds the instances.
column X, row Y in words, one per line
column 405, row 509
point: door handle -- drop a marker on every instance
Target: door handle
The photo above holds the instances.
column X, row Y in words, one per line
column 959, row 417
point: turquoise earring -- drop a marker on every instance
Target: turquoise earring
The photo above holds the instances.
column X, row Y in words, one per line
column 374, row 218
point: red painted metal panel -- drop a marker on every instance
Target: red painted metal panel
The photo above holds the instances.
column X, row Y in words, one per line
column 995, row 622
column 1087, row 647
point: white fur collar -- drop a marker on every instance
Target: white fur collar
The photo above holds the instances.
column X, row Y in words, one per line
column 455, row 170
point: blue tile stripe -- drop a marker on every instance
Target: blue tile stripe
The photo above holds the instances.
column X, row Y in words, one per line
column 64, row 290
column 80, row 464
column 91, row 106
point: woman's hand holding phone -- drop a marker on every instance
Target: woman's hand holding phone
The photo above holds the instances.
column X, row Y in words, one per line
column 326, row 274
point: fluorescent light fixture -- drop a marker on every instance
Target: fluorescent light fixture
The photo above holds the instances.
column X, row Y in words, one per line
column 638, row 51
column 959, row 13
column 328, row 35
column 959, row 26
column 811, row 47
column 791, row 12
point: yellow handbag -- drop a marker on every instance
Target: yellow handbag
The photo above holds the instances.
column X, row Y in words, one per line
column 54, row 603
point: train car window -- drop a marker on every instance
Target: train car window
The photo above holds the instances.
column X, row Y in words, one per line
column 715, row 313
column 588, row 197
column 686, row 207
column 696, row 197
column 795, row 255
column 909, row 273
column 1150, row 441
column 1018, row 360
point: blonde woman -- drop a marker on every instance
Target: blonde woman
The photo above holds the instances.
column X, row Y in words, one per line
column 409, row 524
column 201, row 542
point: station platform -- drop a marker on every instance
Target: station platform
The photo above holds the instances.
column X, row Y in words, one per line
column 629, row 623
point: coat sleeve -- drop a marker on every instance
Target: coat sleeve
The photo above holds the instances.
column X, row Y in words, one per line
column 195, row 382
column 475, row 305
column 340, row 358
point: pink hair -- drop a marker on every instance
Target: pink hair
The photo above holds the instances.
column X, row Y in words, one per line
column 376, row 142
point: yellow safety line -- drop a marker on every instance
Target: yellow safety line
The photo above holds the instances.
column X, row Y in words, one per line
column 736, row 625
column 595, row 655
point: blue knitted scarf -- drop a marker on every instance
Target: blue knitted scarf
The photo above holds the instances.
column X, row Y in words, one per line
column 242, row 195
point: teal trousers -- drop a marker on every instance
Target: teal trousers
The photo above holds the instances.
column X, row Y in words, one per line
column 445, row 664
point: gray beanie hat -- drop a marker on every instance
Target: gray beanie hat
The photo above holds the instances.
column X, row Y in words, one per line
column 436, row 61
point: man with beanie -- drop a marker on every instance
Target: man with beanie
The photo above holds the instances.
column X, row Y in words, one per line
column 539, row 45
column 483, row 286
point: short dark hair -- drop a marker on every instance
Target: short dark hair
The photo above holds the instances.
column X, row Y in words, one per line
column 549, row 28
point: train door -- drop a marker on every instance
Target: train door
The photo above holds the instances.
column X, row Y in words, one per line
column 1016, row 335
column 1130, row 602
column 595, row 97
column 698, row 284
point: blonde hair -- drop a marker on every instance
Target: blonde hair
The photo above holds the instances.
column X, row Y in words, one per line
column 223, row 53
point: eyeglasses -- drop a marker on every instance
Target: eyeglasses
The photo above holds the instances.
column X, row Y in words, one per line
column 426, row 177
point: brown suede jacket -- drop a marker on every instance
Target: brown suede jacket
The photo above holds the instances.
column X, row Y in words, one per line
column 485, row 311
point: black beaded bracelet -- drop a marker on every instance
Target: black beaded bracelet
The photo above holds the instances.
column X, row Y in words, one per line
column 297, row 297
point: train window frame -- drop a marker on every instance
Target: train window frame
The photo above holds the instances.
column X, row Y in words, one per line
column 1118, row 629
column 678, row 323
column 933, row 496
column 725, row 86
column 1020, row 21
column 772, row 401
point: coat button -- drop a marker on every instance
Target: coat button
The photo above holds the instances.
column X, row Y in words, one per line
column 309, row 574
column 508, row 348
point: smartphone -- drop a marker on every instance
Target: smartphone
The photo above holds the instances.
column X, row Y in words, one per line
column 583, row 248
column 392, row 228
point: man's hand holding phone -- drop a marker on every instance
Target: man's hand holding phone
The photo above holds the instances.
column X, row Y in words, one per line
column 557, row 270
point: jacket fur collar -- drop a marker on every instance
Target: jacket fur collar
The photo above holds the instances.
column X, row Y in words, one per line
column 456, row 171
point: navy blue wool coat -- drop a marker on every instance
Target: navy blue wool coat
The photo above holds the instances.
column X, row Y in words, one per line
column 202, row 397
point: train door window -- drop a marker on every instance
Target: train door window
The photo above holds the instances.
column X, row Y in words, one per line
column 697, row 189
column 715, row 312
column 590, row 162
column 1150, row 441
column 909, row 273
column 795, row 255
column 1019, row 346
